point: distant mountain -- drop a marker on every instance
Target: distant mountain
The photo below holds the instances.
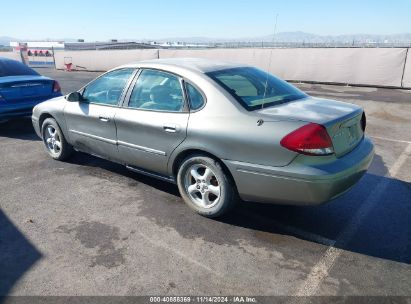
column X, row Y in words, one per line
column 286, row 37
column 364, row 38
column 5, row 40
column 301, row 37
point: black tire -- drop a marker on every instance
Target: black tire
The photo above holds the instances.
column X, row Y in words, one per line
column 195, row 199
column 59, row 148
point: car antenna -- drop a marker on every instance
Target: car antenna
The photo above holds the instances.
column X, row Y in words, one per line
column 269, row 62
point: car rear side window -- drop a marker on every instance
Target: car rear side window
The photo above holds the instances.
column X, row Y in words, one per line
column 15, row 68
column 254, row 88
column 196, row 99
column 108, row 88
column 157, row 91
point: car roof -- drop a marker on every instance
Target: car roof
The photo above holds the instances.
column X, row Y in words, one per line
column 6, row 59
column 11, row 68
column 194, row 64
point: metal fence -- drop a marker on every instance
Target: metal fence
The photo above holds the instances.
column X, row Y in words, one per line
column 229, row 45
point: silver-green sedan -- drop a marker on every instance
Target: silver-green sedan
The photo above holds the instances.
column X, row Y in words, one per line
column 221, row 132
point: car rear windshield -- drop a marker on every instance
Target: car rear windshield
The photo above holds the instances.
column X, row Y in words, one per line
column 254, row 88
column 15, row 68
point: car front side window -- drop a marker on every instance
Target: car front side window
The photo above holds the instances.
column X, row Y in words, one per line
column 108, row 88
column 157, row 91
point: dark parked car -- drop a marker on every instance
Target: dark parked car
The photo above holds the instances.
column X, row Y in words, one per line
column 21, row 88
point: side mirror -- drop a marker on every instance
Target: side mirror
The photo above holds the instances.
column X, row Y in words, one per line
column 74, row 97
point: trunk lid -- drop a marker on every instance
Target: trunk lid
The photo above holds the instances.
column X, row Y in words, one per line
column 20, row 89
column 343, row 121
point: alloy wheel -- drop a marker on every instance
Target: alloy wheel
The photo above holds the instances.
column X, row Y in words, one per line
column 202, row 186
column 52, row 139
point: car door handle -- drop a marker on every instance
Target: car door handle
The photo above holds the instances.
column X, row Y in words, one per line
column 104, row 118
column 171, row 128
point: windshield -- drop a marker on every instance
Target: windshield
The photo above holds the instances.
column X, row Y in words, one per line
column 254, row 88
column 15, row 68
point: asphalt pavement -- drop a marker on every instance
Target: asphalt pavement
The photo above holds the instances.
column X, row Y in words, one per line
column 91, row 227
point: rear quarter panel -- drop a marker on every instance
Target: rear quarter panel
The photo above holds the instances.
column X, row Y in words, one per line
column 238, row 137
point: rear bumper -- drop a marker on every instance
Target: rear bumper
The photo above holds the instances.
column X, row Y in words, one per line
column 300, row 183
column 16, row 113
column 12, row 110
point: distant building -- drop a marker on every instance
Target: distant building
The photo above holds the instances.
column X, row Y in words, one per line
column 40, row 44
column 38, row 48
column 178, row 44
column 37, row 53
column 44, row 48
column 111, row 45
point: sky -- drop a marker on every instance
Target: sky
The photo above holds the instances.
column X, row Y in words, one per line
column 156, row 19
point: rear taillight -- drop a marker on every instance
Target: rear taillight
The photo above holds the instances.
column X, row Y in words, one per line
column 311, row 139
column 56, row 87
column 363, row 122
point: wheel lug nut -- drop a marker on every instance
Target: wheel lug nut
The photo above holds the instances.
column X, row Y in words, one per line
column 198, row 187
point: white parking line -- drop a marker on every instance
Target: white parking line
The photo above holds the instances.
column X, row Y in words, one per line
column 392, row 140
column 400, row 161
column 320, row 271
